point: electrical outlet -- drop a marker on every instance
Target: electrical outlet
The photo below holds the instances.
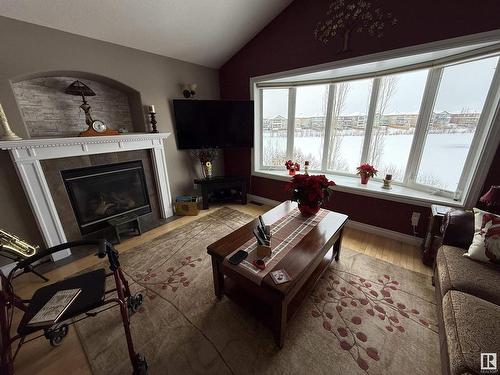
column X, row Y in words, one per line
column 415, row 217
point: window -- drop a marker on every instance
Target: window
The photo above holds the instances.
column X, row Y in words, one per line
column 350, row 105
column 309, row 129
column 453, row 124
column 274, row 127
column 398, row 104
column 422, row 126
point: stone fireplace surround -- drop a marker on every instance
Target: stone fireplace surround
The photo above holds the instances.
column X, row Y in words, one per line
column 38, row 163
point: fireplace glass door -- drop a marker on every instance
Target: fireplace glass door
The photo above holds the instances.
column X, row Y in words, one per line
column 100, row 193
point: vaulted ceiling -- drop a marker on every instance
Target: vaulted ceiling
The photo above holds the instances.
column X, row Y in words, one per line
column 205, row 32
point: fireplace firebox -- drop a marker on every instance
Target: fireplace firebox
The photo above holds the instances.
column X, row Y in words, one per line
column 100, row 193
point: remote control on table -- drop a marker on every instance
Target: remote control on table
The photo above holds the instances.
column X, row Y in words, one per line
column 238, row 257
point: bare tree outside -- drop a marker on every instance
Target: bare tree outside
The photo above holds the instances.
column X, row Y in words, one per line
column 387, row 89
column 336, row 136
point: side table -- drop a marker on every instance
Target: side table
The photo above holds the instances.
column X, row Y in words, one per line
column 433, row 238
column 219, row 183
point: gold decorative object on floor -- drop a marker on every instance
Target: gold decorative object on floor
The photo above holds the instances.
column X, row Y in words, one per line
column 15, row 245
column 16, row 250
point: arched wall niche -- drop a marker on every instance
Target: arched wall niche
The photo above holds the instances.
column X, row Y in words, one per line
column 48, row 111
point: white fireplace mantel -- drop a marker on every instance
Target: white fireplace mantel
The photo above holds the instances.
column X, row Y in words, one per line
column 26, row 155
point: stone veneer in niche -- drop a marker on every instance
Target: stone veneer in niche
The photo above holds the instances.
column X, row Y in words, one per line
column 49, row 112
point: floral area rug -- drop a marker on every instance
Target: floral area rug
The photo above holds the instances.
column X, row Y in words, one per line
column 365, row 316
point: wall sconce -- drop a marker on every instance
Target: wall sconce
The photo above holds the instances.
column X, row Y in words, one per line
column 189, row 90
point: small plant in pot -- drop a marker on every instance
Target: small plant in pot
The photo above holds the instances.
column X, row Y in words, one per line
column 366, row 171
column 292, row 167
column 310, row 192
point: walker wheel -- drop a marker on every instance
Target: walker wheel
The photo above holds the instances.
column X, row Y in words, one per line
column 57, row 335
column 134, row 302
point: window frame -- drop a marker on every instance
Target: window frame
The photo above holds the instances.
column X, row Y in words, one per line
column 478, row 148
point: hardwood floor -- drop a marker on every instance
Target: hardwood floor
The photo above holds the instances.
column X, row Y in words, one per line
column 38, row 357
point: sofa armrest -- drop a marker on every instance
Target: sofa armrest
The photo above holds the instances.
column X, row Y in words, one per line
column 458, row 228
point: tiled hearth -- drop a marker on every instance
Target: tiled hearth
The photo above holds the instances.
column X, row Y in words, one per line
column 38, row 163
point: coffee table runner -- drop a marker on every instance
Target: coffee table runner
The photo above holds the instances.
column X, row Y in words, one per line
column 286, row 233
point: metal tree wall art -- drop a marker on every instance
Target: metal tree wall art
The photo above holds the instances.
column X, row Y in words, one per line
column 347, row 16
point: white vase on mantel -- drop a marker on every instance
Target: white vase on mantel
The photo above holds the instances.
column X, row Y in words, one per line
column 8, row 134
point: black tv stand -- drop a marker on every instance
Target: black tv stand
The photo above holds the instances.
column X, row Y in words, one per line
column 222, row 189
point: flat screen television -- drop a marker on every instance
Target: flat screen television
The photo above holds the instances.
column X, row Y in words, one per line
column 213, row 123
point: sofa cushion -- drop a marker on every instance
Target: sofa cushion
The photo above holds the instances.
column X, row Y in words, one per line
column 472, row 327
column 456, row 272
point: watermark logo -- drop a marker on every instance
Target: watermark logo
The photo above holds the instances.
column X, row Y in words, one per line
column 488, row 363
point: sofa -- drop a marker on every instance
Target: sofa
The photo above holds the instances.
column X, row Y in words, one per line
column 468, row 299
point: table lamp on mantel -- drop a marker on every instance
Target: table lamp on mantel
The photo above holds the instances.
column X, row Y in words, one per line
column 492, row 199
column 96, row 127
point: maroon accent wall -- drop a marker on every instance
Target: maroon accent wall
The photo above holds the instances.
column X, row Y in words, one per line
column 288, row 43
column 378, row 212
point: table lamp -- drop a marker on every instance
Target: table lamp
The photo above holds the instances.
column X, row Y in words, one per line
column 492, row 199
column 79, row 88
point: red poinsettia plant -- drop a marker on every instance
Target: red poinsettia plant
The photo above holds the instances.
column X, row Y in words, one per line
column 310, row 192
column 367, row 170
column 290, row 164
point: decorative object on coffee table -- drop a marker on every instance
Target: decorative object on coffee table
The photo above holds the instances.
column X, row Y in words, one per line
column 280, row 277
column 306, row 167
column 310, row 192
column 263, row 237
column 387, row 182
column 8, row 134
column 95, row 127
column 152, row 116
column 366, row 171
column 492, row 199
column 292, row 167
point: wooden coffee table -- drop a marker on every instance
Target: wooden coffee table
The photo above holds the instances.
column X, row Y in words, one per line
column 305, row 264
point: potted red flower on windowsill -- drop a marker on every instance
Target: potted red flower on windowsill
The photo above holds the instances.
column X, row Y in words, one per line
column 292, row 167
column 310, row 192
column 366, row 171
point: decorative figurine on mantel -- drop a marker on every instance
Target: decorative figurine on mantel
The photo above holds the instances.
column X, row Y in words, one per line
column 96, row 127
column 8, row 134
column 152, row 115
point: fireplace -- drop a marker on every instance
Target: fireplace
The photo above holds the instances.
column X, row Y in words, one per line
column 103, row 192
